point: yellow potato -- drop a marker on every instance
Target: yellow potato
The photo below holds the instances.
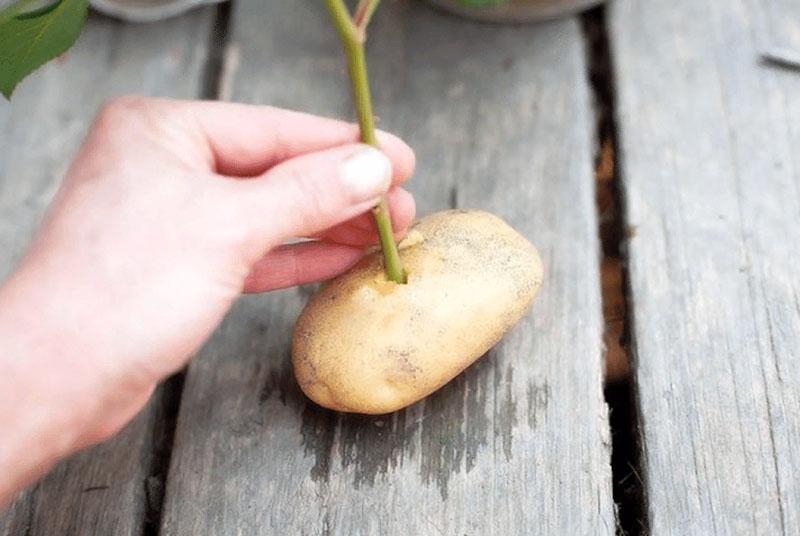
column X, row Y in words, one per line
column 366, row 345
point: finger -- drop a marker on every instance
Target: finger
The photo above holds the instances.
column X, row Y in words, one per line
column 246, row 140
column 295, row 264
column 361, row 230
column 308, row 194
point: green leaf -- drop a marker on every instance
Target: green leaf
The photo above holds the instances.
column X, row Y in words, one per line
column 29, row 38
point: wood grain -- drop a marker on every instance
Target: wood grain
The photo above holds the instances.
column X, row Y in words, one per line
column 518, row 444
column 709, row 140
column 103, row 490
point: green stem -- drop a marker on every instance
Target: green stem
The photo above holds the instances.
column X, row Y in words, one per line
column 352, row 37
column 364, row 12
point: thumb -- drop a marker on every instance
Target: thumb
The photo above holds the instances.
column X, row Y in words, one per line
column 308, row 194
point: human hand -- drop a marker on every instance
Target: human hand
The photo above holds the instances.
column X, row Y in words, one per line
column 169, row 211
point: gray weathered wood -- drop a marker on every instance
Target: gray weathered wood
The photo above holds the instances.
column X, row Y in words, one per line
column 710, row 140
column 500, row 119
column 103, row 490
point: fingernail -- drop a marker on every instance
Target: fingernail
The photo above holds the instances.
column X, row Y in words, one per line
column 366, row 174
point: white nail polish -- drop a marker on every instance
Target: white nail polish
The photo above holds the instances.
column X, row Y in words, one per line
column 366, row 174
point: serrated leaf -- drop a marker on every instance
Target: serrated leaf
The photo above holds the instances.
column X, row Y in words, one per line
column 29, row 39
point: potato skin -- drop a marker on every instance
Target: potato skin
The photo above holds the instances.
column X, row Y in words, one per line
column 364, row 344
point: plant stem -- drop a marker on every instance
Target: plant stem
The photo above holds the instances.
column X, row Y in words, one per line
column 364, row 12
column 353, row 36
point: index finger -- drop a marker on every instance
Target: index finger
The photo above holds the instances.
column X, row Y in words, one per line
column 247, row 140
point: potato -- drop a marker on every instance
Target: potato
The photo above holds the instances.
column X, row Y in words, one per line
column 364, row 344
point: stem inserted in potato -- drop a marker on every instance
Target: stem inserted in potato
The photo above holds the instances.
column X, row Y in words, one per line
column 352, row 31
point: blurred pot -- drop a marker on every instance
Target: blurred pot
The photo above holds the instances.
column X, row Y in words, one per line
column 146, row 10
column 514, row 10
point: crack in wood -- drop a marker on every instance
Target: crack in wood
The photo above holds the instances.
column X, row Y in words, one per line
column 631, row 512
column 163, row 437
column 212, row 82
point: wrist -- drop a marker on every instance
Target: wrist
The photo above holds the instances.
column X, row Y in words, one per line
column 54, row 396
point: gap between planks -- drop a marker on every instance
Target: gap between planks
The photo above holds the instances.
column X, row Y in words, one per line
column 613, row 231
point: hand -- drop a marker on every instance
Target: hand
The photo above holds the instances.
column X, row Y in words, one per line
column 169, row 211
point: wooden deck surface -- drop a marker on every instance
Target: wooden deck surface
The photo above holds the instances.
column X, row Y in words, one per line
column 710, row 139
column 501, row 118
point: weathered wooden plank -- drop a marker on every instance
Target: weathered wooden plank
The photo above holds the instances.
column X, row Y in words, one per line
column 518, row 444
column 709, row 140
column 102, row 490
